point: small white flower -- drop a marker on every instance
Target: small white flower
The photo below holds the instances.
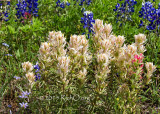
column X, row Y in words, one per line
column 27, row 66
column 30, row 76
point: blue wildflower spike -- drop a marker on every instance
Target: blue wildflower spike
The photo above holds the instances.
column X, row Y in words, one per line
column 37, row 75
column 27, row 6
column 4, row 14
column 62, row 4
column 124, row 10
column 88, row 21
column 151, row 14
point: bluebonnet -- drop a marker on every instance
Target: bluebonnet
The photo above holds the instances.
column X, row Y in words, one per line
column 83, row 10
column 37, row 68
column 0, row 12
column 117, row 74
column 32, row 7
column 88, row 21
column 37, row 76
column 24, row 105
column 58, row 3
column 62, row 4
column 82, row 2
column 88, row 2
column 8, row 3
column 125, row 10
column 27, row 6
column 21, row 9
column 4, row 11
column 150, row 15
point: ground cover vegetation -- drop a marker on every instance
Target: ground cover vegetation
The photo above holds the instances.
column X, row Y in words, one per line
column 80, row 56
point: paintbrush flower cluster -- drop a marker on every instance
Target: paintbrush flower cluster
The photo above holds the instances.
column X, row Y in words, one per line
column 68, row 65
column 28, row 68
column 113, row 56
column 65, row 60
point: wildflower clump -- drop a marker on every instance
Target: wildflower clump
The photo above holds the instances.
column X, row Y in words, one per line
column 114, row 57
column 26, row 9
column 110, row 68
column 80, row 56
column 82, row 2
column 31, row 76
column 62, row 4
column 53, row 54
column 4, row 10
column 150, row 16
column 24, row 95
column 125, row 10
column 65, row 60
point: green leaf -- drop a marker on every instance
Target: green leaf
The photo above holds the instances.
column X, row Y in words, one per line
column 11, row 29
column 110, row 18
column 18, row 54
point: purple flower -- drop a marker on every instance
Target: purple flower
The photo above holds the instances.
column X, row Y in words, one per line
column 17, row 78
column 24, row 105
column 4, row 12
column 21, row 9
column 37, row 67
column 37, row 77
column 67, row 3
column 82, row 2
column 9, row 106
column 8, row 55
column 124, row 10
column 32, row 7
column 62, row 4
column 24, row 94
column 27, row 6
column 88, row 21
column 4, row 44
column 8, row 3
column 150, row 14
column 83, row 9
